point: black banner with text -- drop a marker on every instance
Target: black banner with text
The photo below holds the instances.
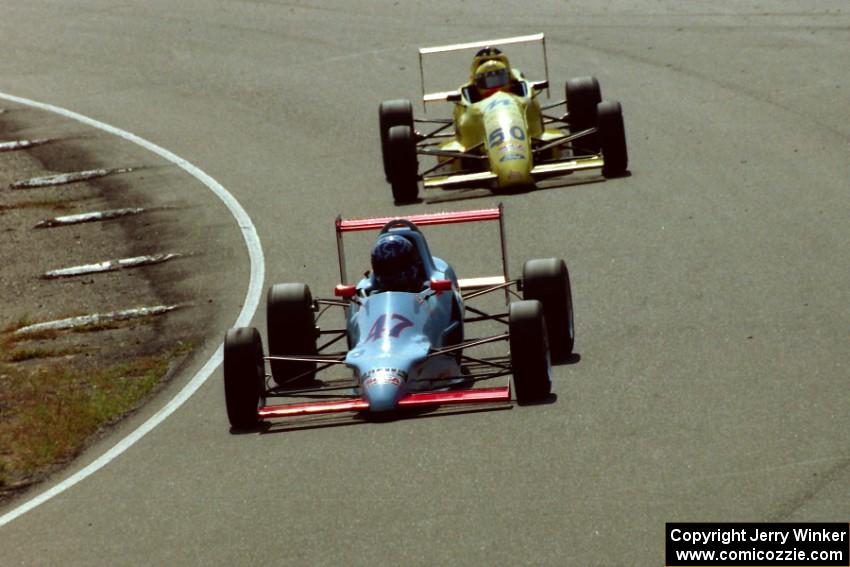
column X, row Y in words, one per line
column 759, row 545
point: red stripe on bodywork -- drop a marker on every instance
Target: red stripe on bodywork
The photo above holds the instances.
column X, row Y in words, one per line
column 426, row 219
column 477, row 396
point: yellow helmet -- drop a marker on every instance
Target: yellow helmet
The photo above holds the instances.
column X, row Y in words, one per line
column 488, row 54
column 492, row 75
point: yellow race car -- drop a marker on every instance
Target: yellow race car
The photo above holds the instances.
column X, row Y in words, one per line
column 501, row 137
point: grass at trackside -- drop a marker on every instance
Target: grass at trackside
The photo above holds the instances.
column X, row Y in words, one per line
column 21, row 354
column 50, row 405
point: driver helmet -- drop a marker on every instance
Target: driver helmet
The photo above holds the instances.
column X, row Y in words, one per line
column 492, row 76
column 488, row 54
column 396, row 265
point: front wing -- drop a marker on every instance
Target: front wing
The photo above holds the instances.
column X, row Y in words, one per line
column 419, row 399
column 543, row 171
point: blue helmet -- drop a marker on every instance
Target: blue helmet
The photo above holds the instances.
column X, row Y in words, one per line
column 396, row 265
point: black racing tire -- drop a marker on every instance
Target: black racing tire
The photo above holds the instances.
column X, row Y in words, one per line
column 612, row 136
column 403, row 165
column 291, row 329
column 244, row 377
column 548, row 281
column 583, row 95
column 529, row 351
column 393, row 113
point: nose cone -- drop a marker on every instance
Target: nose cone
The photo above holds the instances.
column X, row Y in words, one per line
column 382, row 389
column 514, row 168
column 507, row 140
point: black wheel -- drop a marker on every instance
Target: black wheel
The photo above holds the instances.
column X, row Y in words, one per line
column 529, row 351
column 291, row 331
column 612, row 136
column 548, row 281
column 393, row 113
column 403, row 166
column 244, row 376
column 583, row 95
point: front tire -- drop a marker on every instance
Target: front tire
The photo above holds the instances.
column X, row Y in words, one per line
column 548, row 281
column 529, row 351
column 393, row 113
column 291, row 331
column 403, row 165
column 583, row 95
column 612, row 136
column 244, row 377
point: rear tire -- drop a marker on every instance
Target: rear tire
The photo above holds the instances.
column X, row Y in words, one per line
column 529, row 351
column 612, row 135
column 403, row 165
column 244, row 376
column 583, row 95
column 548, row 281
column 291, row 331
column 393, row 113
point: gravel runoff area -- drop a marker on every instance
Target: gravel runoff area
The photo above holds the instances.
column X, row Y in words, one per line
column 61, row 389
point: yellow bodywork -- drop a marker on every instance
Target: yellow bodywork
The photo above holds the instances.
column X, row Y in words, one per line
column 500, row 127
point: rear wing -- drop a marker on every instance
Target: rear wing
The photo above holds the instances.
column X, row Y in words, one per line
column 447, row 95
column 479, row 215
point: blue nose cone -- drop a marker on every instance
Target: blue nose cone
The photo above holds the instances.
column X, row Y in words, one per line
column 382, row 390
column 382, row 397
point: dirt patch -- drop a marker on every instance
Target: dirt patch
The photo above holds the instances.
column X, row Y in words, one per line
column 95, row 375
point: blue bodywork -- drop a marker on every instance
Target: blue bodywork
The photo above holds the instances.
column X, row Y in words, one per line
column 392, row 333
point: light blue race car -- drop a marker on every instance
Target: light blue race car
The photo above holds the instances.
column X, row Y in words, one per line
column 406, row 325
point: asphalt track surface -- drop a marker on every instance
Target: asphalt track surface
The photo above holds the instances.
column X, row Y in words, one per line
column 711, row 286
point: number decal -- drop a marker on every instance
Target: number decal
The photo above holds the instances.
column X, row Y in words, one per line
column 380, row 328
column 403, row 323
column 497, row 136
column 498, row 102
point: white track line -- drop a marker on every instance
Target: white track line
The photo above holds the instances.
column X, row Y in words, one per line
column 66, row 178
column 96, row 318
column 22, row 144
column 252, row 300
column 111, row 265
column 94, row 216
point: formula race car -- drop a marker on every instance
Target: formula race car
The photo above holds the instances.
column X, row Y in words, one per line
column 406, row 326
column 502, row 137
